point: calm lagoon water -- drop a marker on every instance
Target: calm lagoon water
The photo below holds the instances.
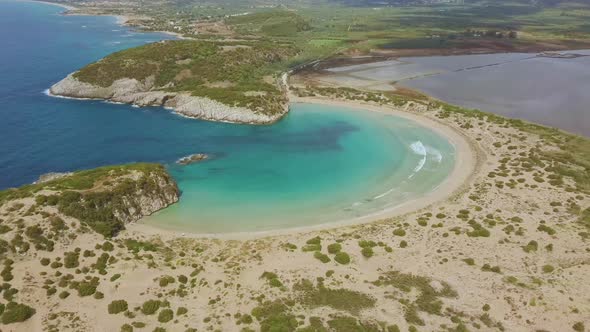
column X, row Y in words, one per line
column 549, row 91
column 320, row 164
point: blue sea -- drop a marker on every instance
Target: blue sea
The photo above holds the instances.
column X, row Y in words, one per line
column 320, row 164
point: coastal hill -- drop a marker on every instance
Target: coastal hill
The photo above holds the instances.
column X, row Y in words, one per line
column 230, row 81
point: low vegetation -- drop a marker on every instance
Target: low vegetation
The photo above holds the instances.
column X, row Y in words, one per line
column 236, row 74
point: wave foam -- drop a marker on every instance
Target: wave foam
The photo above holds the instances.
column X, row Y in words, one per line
column 384, row 194
column 419, row 149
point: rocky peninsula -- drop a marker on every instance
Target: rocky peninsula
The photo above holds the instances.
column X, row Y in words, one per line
column 202, row 80
column 143, row 93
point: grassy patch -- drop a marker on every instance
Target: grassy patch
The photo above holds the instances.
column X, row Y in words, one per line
column 428, row 299
column 339, row 299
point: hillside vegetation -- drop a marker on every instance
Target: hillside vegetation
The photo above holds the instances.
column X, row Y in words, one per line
column 105, row 198
column 236, row 74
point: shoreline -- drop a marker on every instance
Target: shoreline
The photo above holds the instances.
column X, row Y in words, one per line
column 463, row 170
column 121, row 20
column 467, row 162
column 68, row 7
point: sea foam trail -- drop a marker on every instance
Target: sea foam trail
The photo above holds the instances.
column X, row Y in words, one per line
column 384, row 194
column 419, row 149
column 434, row 152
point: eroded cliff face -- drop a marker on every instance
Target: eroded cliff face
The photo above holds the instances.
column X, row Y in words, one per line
column 144, row 93
column 149, row 193
column 105, row 199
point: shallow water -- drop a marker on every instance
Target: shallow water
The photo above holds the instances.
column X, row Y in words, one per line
column 319, row 164
column 548, row 91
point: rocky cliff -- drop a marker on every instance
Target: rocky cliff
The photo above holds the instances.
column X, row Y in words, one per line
column 105, row 198
column 149, row 193
column 144, row 93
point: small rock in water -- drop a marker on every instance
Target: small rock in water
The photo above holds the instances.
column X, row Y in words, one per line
column 193, row 158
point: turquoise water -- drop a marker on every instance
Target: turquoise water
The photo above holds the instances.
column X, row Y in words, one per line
column 320, row 164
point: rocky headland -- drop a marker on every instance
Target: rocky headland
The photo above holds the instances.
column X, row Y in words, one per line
column 144, row 93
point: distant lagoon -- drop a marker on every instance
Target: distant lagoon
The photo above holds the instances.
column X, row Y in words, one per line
column 549, row 91
column 319, row 164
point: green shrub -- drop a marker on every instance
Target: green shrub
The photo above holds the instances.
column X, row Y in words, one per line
column 16, row 313
column 64, row 294
column 315, row 240
column 367, row 244
column 578, row 327
column 531, row 246
column 273, row 279
column 403, row 244
column 107, row 246
column 126, row 328
column 166, row 280
column 7, row 271
column 469, row 261
column 334, row 248
column 321, row 257
column 150, row 307
column 71, row 260
column 115, row 276
column 548, row 268
column 342, row 258
column 399, row 232
column 393, row 328
column 487, row 268
column 181, row 311
column 165, row 315
column 117, row 306
column 244, row 319
column 367, row 252
column 289, row 246
column 45, row 261
column 546, row 229
column 86, row 288
column 311, row 247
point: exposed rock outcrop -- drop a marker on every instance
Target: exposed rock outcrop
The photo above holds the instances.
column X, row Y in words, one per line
column 51, row 176
column 193, row 158
column 151, row 192
column 144, row 93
